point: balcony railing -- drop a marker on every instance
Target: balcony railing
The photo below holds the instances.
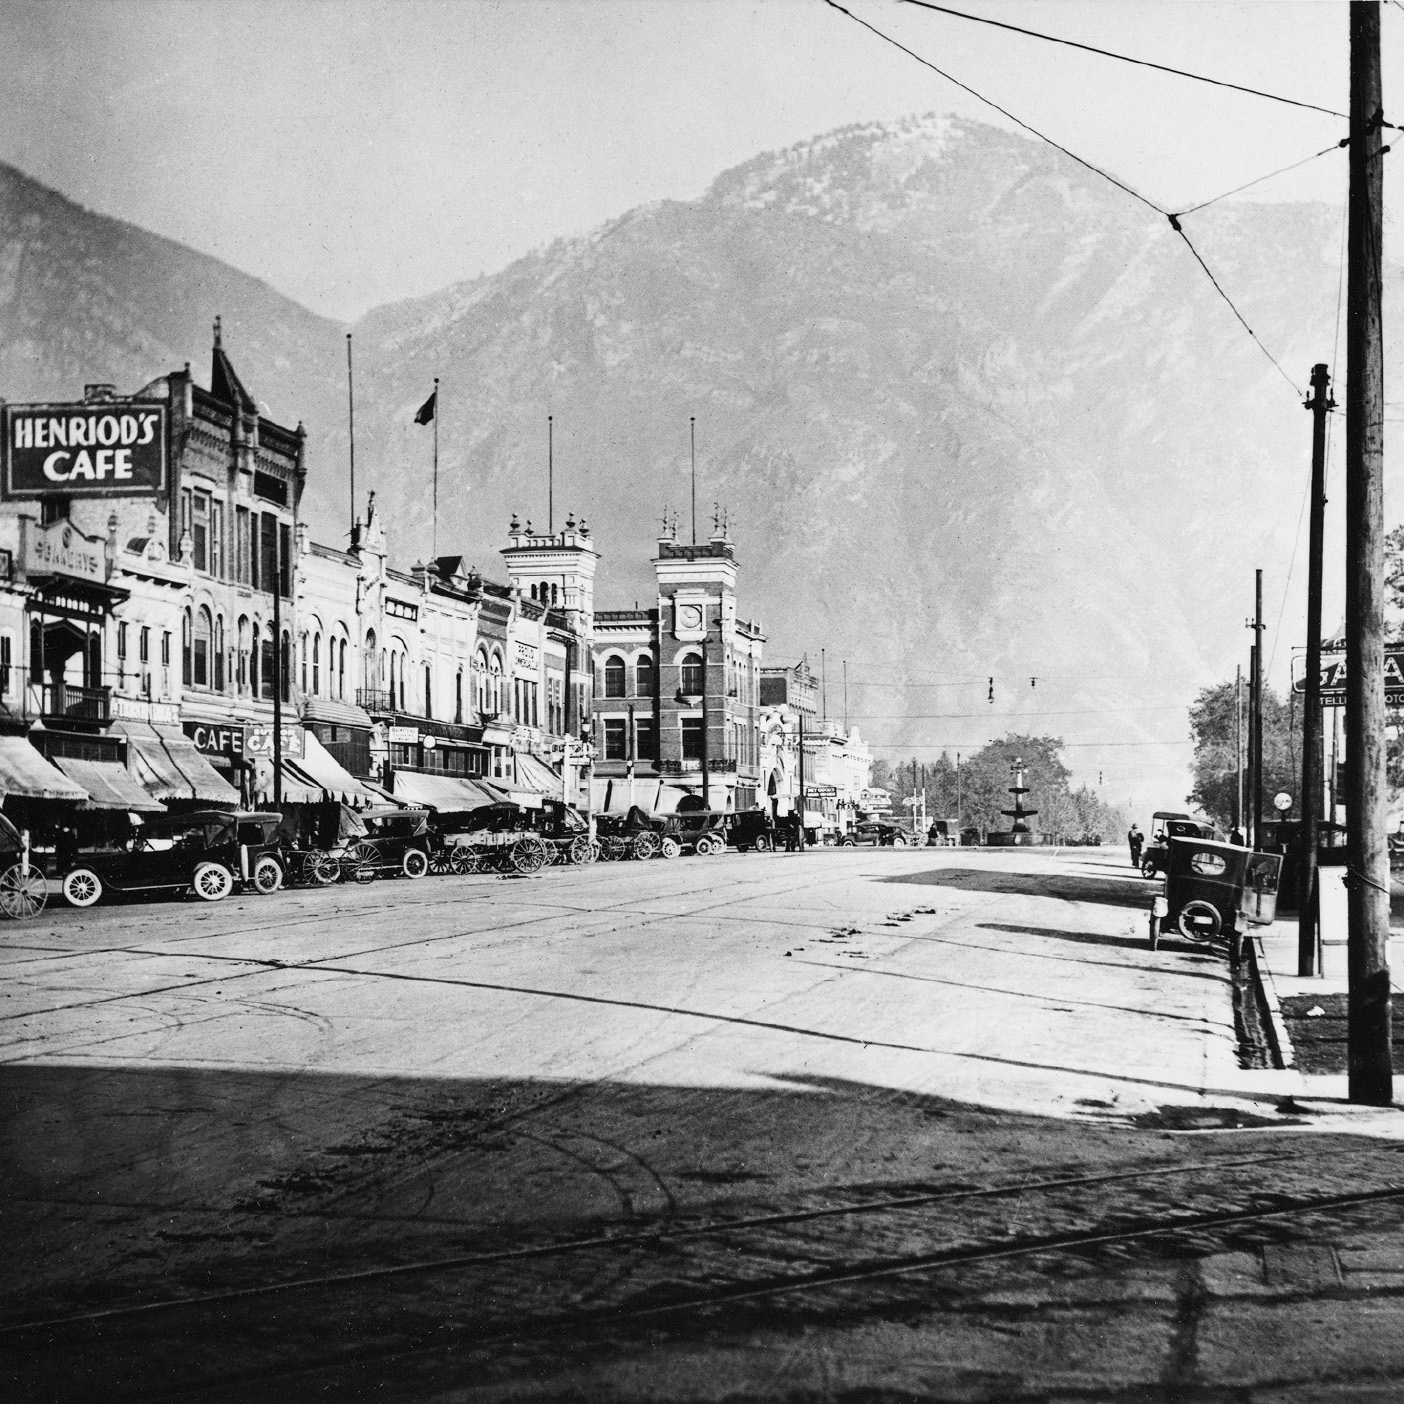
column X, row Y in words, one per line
column 375, row 699
column 79, row 703
column 691, row 765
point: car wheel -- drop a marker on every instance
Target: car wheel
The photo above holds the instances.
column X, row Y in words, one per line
column 646, row 846
column 82, row 887
column 709, row 846
column 763, row 843
column 440, row 862
column 1148, row 867
column 361, row 862
column 1200, row 921
column 415, row 863
column 23, row 892
column 212, row 882
column 267, row 875
column 848, row 843
column 669, row 847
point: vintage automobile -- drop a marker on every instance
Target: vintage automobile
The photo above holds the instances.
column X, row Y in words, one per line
column 877, row 832
column 1166, row 825
column 396, row 840
column 23, row 888
column 205, row 852
column 1211, row 888
column 752, row 828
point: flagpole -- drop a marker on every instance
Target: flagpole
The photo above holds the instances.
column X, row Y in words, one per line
column 436, row 468
column 351, row 422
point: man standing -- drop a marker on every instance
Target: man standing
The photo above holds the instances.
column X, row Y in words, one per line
column 1135, row 839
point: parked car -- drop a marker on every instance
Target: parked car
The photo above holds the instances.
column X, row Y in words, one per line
column 396, row 841
column 752, row 828
column 1165, row 826
column 876, row 832
column 205, row 852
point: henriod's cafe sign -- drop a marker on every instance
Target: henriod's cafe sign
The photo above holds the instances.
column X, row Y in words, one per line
column 110, row 449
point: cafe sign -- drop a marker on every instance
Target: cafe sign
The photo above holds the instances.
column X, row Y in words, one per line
column 258, row 741
column 110, row 449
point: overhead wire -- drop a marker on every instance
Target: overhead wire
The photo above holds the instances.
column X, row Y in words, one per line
column 1087, row 165
column 1126, row 58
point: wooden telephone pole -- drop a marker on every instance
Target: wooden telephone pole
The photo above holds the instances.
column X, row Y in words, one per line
column 1319, row 405
column 1370, row 1069
column 1255, row 721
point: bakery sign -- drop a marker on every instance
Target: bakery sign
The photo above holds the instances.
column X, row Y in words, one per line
column 61, row 549
column 110, row 449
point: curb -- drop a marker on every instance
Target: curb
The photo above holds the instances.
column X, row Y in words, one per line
column 1281, row 1041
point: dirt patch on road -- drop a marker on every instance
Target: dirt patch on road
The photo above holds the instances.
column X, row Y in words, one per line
column 1068, row 887
column 1320, row 1039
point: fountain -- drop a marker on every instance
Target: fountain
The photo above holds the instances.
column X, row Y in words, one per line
column 1018, row 835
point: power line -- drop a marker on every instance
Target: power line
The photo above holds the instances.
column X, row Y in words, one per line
column 1282, row 170
column 1087, row 165
column 1126, row 58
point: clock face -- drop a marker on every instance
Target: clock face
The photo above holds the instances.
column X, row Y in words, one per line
column 690, row 616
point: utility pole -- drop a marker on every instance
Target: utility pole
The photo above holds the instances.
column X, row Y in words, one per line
column 1255, row 716
column 1370, row 1070
column 1238, row 748
column 824, row 684
column 706, row 780
column 277, row 668
column 1319, row 405
column 800, row 719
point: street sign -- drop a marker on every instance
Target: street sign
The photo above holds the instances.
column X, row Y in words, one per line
column 109, row 449
column 1333, row 677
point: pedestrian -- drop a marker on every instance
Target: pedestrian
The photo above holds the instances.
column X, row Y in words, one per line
column 1136, row 840
column 792, row 833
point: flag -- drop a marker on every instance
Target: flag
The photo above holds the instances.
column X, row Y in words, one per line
column 427, row 409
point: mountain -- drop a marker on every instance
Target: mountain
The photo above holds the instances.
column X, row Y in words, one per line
column 973, row 412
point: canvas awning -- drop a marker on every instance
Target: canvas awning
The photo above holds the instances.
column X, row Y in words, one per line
column 323, row 709
column 169, row 767
column 448, row 794
column 617, row 796
column 533, row 774
column 26, row 774
column 110, row 785
column 315, row 777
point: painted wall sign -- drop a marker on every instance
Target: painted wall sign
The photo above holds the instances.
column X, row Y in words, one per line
column 136, row 709
column 258, row 741
column 111, row 449
column 403, row 735
column 527, row 658
column 61, row 549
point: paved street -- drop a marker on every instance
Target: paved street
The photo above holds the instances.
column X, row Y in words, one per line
column 845, row 1124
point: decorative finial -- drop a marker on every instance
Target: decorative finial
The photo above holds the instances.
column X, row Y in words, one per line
column 528, row 526
column 584, row 527
column 570, row 522
column 514, row 527
column 217, row 331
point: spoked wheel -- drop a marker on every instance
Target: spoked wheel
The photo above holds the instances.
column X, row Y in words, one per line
column 581, row 850
column 23, row 892
column 441, row 862
column 529, row 855
column 1148, row 867
column 360, row 862
column 763, row 843
column 82, row 887
column 212, row 882
column 1200, row 921
column 646, row 845
column 669, row 847
column 267, row 875
column 319, row 868
column 415, row 863
column 613, row 848
column 465, row 860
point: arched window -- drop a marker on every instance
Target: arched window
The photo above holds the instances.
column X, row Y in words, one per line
column 458, row 696
column 553, row 594
column 394, row 670
column 242, row 679
column 185, row 632
column 371, row 679
column 219, row 653
column 480, row 683
column 285, row 666
column 36, row 653
column 533, row 592
column 341, row 671
column 316, row 665
column 428, row 691
column 692, row 681
column 304, row 660
column 614, row 676
column 643, row 676
column 495, row 684
column 265, row 664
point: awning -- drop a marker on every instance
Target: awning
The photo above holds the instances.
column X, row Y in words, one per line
column 617, row 796
column 449, row 794
column 26, row 774
column 533, row 774
column 169, row 767
column 323, row 709
column 315, row 777
column 110, row 785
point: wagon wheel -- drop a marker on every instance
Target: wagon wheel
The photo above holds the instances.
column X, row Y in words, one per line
column 645, row 845
column 361, row 862
column 23, row 891
column 529, row 854
column 441, row 862
column 581, row 849
column 465, row 860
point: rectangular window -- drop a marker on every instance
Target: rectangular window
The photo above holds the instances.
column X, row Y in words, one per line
column 144, row 645
column 615, row 739
column 6, row 659
column 692, row 738
column 121, row 643
column 200, row 530
column 202, row 660
column 271, row 489
column 646, row 739
column 285, row 560
column 535, row 701
column 165, row 648
column 267, row 551
column 217, row 563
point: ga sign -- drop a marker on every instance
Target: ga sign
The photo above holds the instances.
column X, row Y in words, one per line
column 113, row 448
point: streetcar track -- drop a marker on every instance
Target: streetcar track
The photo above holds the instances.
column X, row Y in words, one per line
column 671, row 1235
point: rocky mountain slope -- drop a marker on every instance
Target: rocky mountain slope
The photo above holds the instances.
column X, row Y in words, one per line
column 973, row 411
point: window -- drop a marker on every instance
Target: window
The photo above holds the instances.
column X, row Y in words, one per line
column 614, row 676
column 6, row 661
column 216, row 537
column 304, row 660
column 200, row 529
column 204, row 628
column 372, row 676
column 646, row 739
column 285, row 560
column 495, row 685
column 615, row 739
column 265, row 664
column 144, row 646
column 428, row 691
column 480, row 683
column 270, row 488
column 285, row 666
column 692, row 675
column 243, row 679
column 185, row 649
column 219, row 653
column 341, row 672
column 121, row 645
column 316, row 665
column 643, row 677
column 458, row 697
column 36, row 653
column 243, row 547
column 165, row 648
column 692, row 738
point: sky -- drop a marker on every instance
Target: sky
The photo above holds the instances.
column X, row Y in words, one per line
column 356, row 153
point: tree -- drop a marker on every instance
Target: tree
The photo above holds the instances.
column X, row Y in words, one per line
column 1215, row 773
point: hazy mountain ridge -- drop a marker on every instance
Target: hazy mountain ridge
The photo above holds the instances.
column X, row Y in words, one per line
column 972, row 409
